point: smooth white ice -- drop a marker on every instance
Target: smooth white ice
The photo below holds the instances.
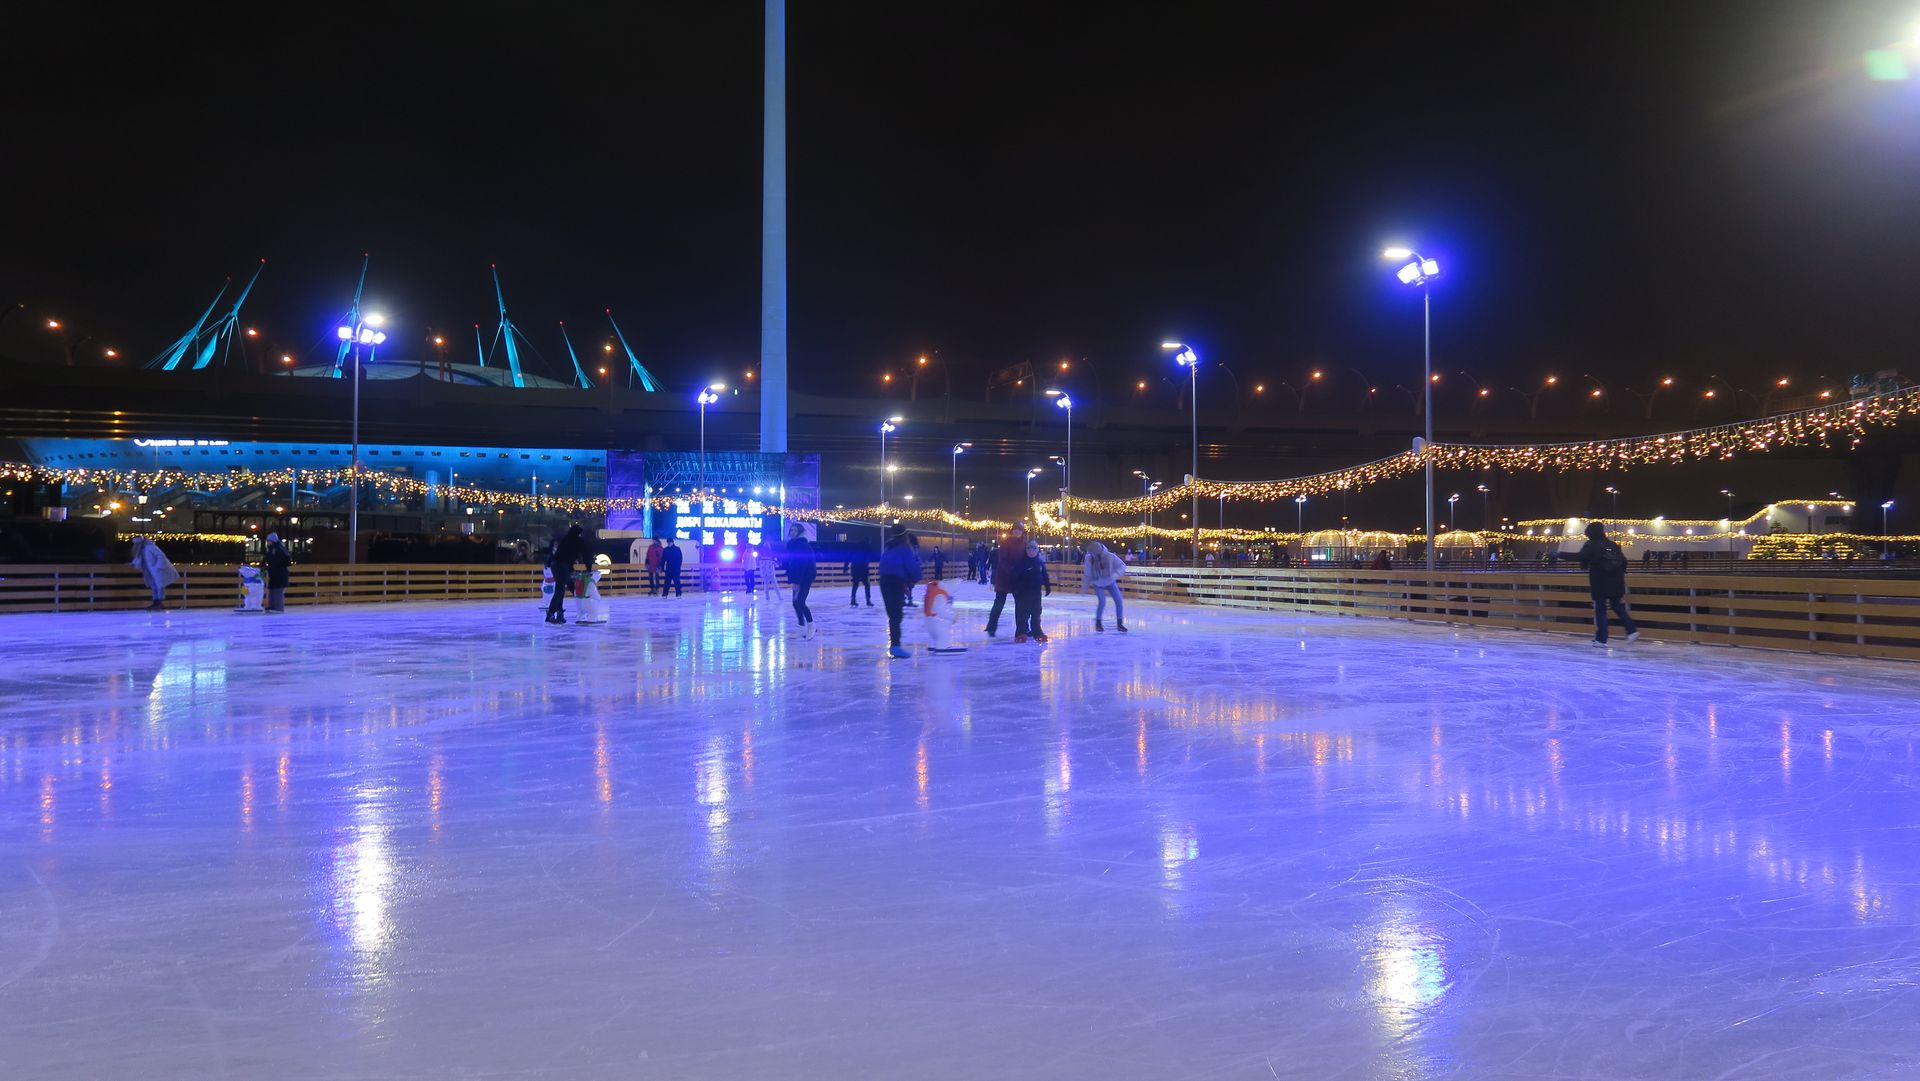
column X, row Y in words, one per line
column 448, row 841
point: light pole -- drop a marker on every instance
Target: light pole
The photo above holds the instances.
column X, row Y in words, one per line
column 1146, row 489
column 1486, row 516
column 1300, row 520
column 1420, row 272
column 1615, row 493
column 1065, row 401
column 367, row 333
column 1453, row 520
column 969, row 510
column 1028, row 505
column 953, row 487
column 1185, row 356
column 709, row 394
column 888, row 425
column 1884, row 508
column 1728, row 492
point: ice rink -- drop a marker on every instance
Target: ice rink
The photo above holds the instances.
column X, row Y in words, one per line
column 449, row 841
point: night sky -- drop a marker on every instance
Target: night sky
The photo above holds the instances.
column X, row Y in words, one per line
column 1618, row 189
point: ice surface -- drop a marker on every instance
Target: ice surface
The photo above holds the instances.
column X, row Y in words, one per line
column 448, row 841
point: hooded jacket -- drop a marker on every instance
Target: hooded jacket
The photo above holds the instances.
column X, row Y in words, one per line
column 1606, row 564
column 1101, row 567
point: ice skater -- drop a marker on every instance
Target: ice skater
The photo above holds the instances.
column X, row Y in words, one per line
column 899, row 569
column 156, row 568
column 1606, row 568
column 1030, row 583
column 278, row 562
column 670, row 559
column 655, row 552
column 801, row 567
column 565, row 554
column 1013, row 548
column 939, row 564
column 860, row 573
column 1103, row 570
column 768, row 571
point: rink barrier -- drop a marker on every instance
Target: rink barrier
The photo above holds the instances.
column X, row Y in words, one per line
column 1863, row 616
column 95, row 588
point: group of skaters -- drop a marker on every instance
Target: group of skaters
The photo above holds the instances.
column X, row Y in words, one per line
column 160, row 574
column 1015, row 569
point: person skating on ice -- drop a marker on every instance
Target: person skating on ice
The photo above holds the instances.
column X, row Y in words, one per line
column 1606, row 568
column 860, row 572
column 1013, row 548
column 278, row 562
column 655, row 553
column 1102, row 570
column 899, row 568
column 1030, row 582
column 801, row 567
column 670, row 560
column 156, row 568
column 565, row 554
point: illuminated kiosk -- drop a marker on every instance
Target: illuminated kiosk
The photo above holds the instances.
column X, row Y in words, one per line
column 748, row 490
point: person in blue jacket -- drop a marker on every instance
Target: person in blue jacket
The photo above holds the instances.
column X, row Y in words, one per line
column 899, row 569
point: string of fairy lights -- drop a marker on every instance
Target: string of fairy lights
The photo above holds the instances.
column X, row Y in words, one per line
column 1828, row 426
column 1842, row 424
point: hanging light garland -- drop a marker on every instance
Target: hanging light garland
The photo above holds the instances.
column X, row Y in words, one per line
column 1841, row 425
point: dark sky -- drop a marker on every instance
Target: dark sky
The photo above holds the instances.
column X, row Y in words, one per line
column 1614, row 188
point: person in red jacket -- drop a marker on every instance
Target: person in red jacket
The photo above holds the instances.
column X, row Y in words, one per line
column 655, row 552
column 1013, row 549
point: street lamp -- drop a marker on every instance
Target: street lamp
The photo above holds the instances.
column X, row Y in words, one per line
column 1300, row 519
column 1452, row 519
column 1031, row 473
column 1420, row 271
column 1486, row 516
column 1728, row 492
column 969, row 511
column 953, row 487
column 1187, row 358
column 1884, row 508
column 1065, row 401
column 1615, row 493
column 365, row 332
column 709, row 394
column 1146, row 489
column 888, row 425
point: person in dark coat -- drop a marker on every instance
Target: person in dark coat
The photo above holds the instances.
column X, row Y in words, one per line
column 973, row 563
column 801, row 568
column 1013, row 549
column 655, row 553
column 565, row 554
column 860, row 572
column 1030, row 582
column 899, row 569
column 670, row 559
column 278, row 562
column 1606, row 567
column 939, row 564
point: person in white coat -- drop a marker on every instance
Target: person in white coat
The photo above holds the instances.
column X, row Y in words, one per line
column 156, row 568
column 1103, row 570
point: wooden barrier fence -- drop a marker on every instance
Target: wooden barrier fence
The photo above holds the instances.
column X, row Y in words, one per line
column 1856, row 616
column 1859, row 616
column 96, row 587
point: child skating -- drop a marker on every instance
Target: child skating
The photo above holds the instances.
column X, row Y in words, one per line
column 1030, row 583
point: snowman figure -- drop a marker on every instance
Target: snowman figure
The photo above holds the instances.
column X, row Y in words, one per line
column 251, row 587
column 937, row 604
column 592, row 608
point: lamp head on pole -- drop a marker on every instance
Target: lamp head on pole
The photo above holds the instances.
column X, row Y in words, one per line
column 961, row 448
column 887, row 426
column 1418, row 271
column 1183, row 354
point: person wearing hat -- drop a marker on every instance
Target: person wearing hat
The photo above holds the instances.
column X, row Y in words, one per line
column 277, row 561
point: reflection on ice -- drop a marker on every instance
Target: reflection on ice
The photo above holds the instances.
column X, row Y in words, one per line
column 689, row 843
